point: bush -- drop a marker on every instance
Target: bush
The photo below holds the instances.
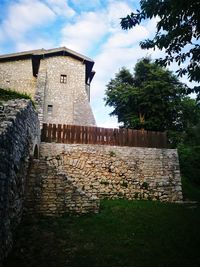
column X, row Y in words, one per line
column 189, row 157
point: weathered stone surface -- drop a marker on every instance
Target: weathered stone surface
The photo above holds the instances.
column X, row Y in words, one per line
column 51, row 192
column 69, row 101
column 19, row 133
column 18, row 76
column 70, row 176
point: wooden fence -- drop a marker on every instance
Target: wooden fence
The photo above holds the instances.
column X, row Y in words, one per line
column 75, row 134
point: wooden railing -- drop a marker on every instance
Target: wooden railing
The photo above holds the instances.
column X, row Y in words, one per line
column 75, row 134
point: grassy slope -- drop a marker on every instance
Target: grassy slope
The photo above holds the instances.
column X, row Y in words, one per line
column 6, row 95
column 125, row 233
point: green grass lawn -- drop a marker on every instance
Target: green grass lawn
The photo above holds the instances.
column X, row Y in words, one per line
column 124, row 233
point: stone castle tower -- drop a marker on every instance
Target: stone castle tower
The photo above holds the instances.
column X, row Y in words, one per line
column 57, row 79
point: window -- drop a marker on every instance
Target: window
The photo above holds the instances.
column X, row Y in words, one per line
column 63, row 78
column 49, row 109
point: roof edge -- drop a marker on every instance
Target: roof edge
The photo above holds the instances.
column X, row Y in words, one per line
column 43, row 52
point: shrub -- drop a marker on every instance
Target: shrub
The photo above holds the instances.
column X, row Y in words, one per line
column 189, row 157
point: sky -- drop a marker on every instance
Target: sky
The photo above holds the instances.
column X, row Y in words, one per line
column 90, row 27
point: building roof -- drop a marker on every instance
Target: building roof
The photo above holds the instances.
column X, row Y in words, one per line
column 38, row 54
column 44, row 52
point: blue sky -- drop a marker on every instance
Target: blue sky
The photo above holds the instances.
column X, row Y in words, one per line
column 90, row 27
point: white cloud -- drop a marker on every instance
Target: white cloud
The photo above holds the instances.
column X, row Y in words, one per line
column 37, row 44
column 23, row 16
column 120, row 49
column 82, row 35
column 109, row 62
column 115, row 11
column 61, row 8
column 92, row 28
column 117, row 48
column 127, row 38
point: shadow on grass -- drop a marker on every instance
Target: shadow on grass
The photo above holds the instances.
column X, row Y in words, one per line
column 124, row 233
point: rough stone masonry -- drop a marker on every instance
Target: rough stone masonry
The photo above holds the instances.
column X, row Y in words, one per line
column 98, row 172
column 58, row 80
column 19, row 134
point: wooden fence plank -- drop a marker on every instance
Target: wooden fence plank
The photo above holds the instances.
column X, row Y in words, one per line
column 59, row 132
column 54, row 131
column 78, row 131
column 64, row 139
column 105, row 136
column 116, row 136
column 129, row 137
column 95, row 140
column 44, row 132
column 69, row 134
column 98, row 135
column 90, row 135
column 49, row 132
column 73, row 139
column 110, row 136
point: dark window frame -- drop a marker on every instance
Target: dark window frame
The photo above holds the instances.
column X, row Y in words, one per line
column 63, row 78
column 49, row 109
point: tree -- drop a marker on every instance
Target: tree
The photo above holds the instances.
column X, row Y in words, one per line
column 178, row 33
column 152, row 98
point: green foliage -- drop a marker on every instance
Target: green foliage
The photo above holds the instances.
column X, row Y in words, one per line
column 124, row 233
column 189, row 129
column 104, row 182
column 190, row 190
column 178, row 32
column 6, row 95
column 152, row 99
column 192, row 136
column 112, row 153
column 189, row 157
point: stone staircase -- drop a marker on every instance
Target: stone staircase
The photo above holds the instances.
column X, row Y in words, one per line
column 50, row 192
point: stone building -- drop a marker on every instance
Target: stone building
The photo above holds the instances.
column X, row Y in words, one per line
column 57, row 79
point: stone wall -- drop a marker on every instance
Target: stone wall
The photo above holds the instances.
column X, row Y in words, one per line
column 40, row 91
column 69, row 100
column 19, row 136
column 102, row 172
column 52, row 192
column 18, row 75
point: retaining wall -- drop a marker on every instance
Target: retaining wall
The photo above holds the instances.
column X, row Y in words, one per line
column 104, row 172
column 19, row 135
